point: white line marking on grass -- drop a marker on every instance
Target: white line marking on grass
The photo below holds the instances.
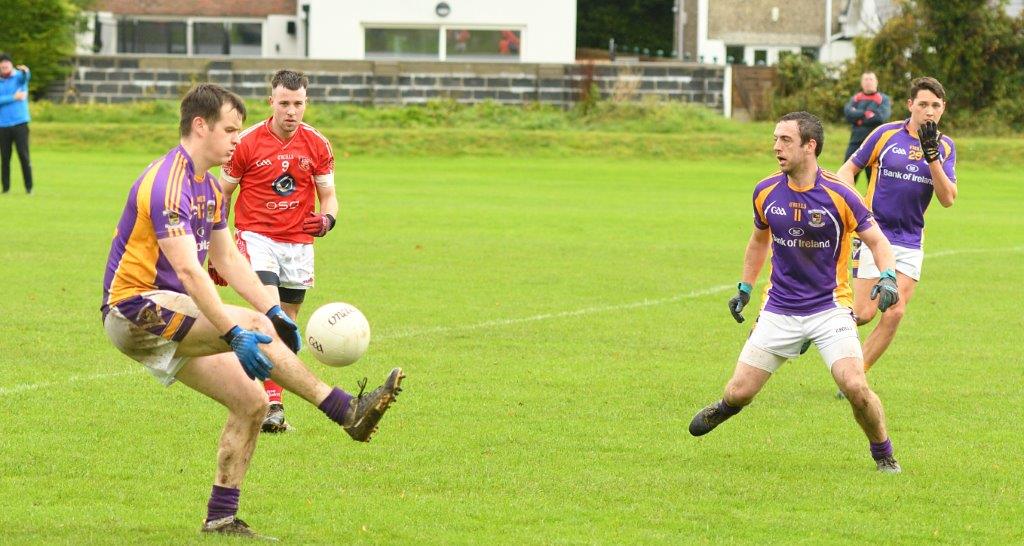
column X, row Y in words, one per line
column 23, row 387
column 71, row 379
column 548, row 316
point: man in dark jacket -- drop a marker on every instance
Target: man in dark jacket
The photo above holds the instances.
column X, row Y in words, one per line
column 865, row 111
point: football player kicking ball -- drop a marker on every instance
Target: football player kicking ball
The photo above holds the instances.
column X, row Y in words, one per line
column 911, row 161
column 281, row 168
column 161, row 309
column 806, row 216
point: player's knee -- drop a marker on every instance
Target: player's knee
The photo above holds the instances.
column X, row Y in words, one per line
column 255, row 407
column 260, row 323
column 857, row 391
column 740, row 393
column 895, row 313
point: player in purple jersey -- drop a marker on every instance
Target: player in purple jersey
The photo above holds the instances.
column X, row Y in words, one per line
column 911, row 161
column 161, row 308
column 805, row 217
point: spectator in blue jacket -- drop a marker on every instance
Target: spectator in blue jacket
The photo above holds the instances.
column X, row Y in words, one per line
column 14, row 120
column 865, row 111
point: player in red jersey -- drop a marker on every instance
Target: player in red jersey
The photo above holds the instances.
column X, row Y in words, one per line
column 282, row 167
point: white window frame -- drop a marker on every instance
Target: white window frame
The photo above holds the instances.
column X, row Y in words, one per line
column 442, row 39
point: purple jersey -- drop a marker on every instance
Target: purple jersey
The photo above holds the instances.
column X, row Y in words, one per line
column 810, row 230
column 168, row 200
column 900, row 188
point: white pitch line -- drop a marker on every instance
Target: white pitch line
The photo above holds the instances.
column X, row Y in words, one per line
column 14, row 389
column 4, row 391
column 548, row 316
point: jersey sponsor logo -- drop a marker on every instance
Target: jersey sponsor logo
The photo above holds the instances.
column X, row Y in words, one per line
column 778, row 211
column 286, row 156
column 800, row 243
column 305, row 163
column 284, row 185
column 796, row 232
column 817, row 218
column 282, row 205
column 912, row 168
column 202, row 245
column 263, row 163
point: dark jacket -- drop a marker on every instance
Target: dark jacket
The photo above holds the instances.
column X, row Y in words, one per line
column 865, row 112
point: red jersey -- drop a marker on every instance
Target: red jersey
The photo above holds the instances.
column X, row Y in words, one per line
column 276, row 180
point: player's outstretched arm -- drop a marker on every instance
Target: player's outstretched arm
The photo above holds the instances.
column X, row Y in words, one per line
column 848, row 172
column 753, row 261
column 886, row 291
column 237, row 272
column 181, row 254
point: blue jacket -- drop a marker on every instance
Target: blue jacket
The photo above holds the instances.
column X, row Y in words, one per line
column 14, row 112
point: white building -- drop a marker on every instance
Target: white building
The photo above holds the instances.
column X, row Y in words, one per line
column 534, row 31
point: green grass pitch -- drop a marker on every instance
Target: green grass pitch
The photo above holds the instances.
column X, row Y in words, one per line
column 560, row 321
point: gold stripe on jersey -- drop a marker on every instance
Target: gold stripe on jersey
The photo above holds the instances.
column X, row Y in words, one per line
column 172, row 326
column 842, row 293
column 873, row 160
column 172, row 194
column 136, row 271
column 759, row 202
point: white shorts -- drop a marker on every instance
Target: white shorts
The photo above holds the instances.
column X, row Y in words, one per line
column 777, row 338
column 148, row 328
column 291, row 262
column 908, row 262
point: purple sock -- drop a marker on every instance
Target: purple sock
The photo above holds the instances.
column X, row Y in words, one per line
column 223, row 503
column 881, row 450
column 727, row 409
column 335, row 405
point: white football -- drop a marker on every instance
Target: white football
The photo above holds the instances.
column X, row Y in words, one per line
column 337, row 334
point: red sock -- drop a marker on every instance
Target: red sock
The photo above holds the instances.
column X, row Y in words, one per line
column 274, row 391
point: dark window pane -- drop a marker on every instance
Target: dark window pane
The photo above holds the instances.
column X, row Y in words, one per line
column 734, row 54
column 466, row 43
column 246, row 39
column 210, row 39
column 161, row 37
column 402, row 42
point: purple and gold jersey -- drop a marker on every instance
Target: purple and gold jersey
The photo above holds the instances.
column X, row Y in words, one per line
column 810, row 231
column 900, row 188
column 168, row 200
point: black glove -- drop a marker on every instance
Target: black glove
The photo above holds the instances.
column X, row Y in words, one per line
column 740, row 300
column 928, row 133
column 886, row 291
column 286, row 328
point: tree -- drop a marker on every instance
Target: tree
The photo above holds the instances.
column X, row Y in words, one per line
column 40, row 34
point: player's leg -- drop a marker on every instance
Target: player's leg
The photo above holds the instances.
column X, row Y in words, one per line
column 358, row 415
column 879, row 339
column 835, row 334
column 772, row 337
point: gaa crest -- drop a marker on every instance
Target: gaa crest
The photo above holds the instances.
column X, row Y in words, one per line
column 305, row 163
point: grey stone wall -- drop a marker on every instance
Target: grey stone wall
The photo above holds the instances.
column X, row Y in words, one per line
column 126, row 79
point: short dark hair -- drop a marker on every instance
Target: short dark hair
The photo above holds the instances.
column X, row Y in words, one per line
column 927, row 83
column 810, row 128
column 5, row 57
column 290, row 79
column 205, row 101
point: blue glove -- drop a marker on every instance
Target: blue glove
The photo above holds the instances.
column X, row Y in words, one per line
column 886, row 291
column 246, row 344
column 740, row 300
column 286, row 328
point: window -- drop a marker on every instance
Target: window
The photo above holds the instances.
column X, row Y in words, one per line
column 809, row 52
column 734, row 54
column 760, row 57
column 464, row 43
column 208, row 37
column 227, row 38
column 164, row 37
column 402, row 42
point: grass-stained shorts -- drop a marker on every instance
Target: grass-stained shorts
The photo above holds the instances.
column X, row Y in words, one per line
column 148, row 327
